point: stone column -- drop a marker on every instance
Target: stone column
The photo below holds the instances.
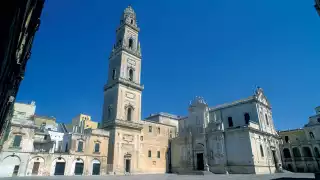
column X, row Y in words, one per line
column 206, row 166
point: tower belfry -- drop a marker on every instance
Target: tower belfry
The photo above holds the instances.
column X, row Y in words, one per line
column 122, row 95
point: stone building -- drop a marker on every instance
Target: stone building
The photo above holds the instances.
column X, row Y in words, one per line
column 86, row 120
column 237, row 137
column 19, row 22
column 32, row 148
column 209, row 139
column 300, row 148
column 135, row 146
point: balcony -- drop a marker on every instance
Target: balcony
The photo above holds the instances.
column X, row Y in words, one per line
column 126, row 82
column 41, row 140
column 123, row 123
column 122, row 47
column 308, row 158
column 288, row 160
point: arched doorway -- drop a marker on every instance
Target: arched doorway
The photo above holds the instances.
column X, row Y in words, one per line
column 78, row 166
column 127, row 163
column 59, row 165
column 10, row 166
column 199, row 151
column 95, row 167
column 35, row 166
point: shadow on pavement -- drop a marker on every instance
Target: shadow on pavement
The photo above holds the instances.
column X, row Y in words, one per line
column 289, row 178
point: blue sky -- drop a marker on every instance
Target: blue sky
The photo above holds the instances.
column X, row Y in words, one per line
column 216, row 49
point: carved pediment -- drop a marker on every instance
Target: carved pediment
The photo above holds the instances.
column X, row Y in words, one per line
column 127, row 137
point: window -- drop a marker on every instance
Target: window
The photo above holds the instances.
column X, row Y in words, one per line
column 211, row 154
column 97, row 147
column 129, row 114
column 296, row 152
column 246, row 118
column 130, row 43
column 158, row 154
column 109, row 112
column 149, row 153
column 114, row 74
column 45, row 137
column 130, row 74
column 80, row 146
column 150, row 128
column 197, row 120
column 266, row 116
column 158, row 130
column 311, row 135
column 170, row 134
column 286, row 153
column 17, row 141
column 318, row 120
column 316, row 152
column 131, row 21
column 230, row 122
column 261, row 151
column 306, row 152
column 66, row 148
column 141, row 138
column 286, row 139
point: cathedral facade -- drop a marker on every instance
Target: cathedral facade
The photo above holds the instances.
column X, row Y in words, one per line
column 237, row 137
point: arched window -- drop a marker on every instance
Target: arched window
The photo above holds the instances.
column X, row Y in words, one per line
column 261, row 151
column 230, row 122
column 129, row 114
column 131, row 21
column 267, row 121
column 114, row 74
column 306, row 152
column 296, row 152
column 316, row 152
column 311, row 135
column 318, row 120
column 130, row 43
column 130, row 74
column 286, row 153
column 286, row 138
column 246, row 118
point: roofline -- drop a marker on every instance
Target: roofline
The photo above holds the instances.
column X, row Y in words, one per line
column 172, row 116
column 155, row 122
column 289, row 130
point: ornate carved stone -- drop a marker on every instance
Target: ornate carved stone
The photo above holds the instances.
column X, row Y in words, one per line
column 127, row 137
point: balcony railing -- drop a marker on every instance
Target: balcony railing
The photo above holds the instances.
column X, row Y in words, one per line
column 126, row 82
column 288, row 160
column 124, row 123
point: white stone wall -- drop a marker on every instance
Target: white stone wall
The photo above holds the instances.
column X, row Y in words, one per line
column 23, row 111
column 56, row 137
column 8, row 160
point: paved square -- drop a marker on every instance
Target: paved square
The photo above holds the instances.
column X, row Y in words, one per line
column 279, row 176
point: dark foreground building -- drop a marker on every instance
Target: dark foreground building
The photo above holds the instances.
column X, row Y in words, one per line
column 20, row 19
column 317, row 6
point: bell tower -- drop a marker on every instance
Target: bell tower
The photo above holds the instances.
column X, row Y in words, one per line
column 122, row 96
column 122, row 93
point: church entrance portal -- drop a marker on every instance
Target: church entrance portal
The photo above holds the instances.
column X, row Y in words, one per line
column 200, row 164
column 274, row 156
column 128, row 162
column 59, row 170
